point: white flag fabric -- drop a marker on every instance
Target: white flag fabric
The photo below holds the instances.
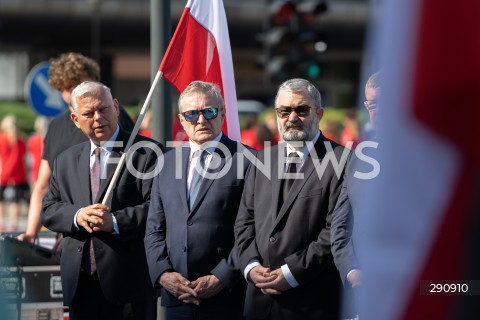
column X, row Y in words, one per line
column 419, row 217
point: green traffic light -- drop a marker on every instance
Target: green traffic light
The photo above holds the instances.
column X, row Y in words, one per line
column 313, row 71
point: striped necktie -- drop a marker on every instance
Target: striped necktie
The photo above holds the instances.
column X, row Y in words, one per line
column 292, row 161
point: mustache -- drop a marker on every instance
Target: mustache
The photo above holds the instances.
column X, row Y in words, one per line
column 290, row 124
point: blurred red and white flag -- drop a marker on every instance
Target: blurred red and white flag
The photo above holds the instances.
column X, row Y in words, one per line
column 200, row 50
column 421, row 216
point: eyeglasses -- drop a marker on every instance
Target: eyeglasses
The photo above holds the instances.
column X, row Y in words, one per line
column 301, row 111
column 371, row 105
column 208, row 113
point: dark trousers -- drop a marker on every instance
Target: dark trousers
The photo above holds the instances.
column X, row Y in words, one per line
column 141, row 310
column 279, row 312
column 192, row 312
column 90, row 304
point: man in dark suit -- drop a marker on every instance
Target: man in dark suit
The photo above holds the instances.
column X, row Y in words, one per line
column 99, row 283
column 195, row 198
column 282, row 230
column 66, row 72
column 358, row 174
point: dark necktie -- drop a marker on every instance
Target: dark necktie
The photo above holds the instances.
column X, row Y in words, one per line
column 292, row 161
column 90, row 265
column 197, row 177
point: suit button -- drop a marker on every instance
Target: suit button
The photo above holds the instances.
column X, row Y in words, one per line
column 273, row 239
column 189, row 223
column 184, row 249
column 79, row 249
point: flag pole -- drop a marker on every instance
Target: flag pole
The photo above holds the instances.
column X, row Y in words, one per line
column 135, row 130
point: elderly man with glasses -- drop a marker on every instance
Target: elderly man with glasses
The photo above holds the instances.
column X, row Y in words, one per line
column 194, row 204
column 283, row 225
column 345, row 233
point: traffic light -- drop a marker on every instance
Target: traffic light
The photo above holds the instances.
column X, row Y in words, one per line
column 292, row 41
column 278, row 40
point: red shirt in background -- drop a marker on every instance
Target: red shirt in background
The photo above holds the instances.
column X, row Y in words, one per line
column 12, row 162
column 35, row 150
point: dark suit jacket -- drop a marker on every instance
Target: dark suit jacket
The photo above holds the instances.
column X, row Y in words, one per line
column 121, row 262
column 345, row 233
column 296, row 233
column 198, row 241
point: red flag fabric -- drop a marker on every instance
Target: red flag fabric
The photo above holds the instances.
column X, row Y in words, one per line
column 200, row 50
column 419, row 215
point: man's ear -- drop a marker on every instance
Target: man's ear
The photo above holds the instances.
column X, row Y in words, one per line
column 74, row 118
column 319, row 113
column 116, row 105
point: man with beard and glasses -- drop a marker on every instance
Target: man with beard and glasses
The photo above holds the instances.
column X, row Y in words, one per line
column 282, row 230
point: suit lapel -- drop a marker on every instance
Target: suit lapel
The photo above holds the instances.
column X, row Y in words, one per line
column 111, row 167
column 276, row 179
column 83, row 165
column 207, row 182
column 182, row 186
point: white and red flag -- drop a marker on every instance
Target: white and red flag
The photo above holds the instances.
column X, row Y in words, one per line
column 200, row 50
column 422, row 216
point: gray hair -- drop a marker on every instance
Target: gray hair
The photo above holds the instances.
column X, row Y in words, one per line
column 373, row 81
column 300, row 86
column 88, row 89
column 207, row 88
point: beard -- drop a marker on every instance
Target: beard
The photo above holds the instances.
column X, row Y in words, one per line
column 305, row 133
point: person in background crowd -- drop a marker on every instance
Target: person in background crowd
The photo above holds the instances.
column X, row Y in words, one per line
column 331, row 129
column 248, row 135
column 103, row 263
column 35, row 148
column 344, row 232
column 189, row 238
column 256, row 133
column 351, row 131
column 271, row 124
column 13, row 174
column 65, row 73
column 282, row 232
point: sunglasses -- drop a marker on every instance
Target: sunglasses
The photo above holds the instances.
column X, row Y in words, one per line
column 208, row 113
column 301, row 111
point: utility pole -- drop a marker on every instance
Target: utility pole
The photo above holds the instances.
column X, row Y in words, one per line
column 160, row 34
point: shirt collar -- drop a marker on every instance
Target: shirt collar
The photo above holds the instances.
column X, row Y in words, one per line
column 305, row 150
column 212, row 145
column 109, row 146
